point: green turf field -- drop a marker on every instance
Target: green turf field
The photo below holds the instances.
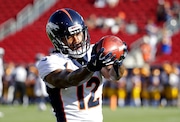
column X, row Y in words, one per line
column 127, row 114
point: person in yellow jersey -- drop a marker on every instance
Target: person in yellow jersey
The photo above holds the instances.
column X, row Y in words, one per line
column 155, row 87
column 145, row 79
column 174, row 85
column 121, row 91
column 136, row 88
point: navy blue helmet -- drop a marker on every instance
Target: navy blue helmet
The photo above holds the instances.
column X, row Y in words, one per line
column 61, row 25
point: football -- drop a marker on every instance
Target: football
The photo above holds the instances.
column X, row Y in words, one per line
column 111, row 44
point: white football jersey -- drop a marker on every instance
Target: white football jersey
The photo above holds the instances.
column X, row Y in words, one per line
column 74, row 104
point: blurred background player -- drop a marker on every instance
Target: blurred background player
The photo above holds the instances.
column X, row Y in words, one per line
column 1, row 76
column 122, row 89
column 136, row 88
column 1, row 72
column 19, row 78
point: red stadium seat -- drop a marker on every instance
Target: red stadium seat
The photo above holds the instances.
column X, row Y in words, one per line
column 10, row 10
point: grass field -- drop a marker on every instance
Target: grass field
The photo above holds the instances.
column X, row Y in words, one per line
column 127, row 114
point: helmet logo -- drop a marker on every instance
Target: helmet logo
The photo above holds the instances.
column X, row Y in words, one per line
column 75, row 29
column 51, row 26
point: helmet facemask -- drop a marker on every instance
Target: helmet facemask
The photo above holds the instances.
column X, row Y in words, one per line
column 80, row 49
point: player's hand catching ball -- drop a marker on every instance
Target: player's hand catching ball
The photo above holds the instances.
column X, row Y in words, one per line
column 118, row 48
column 99, row 60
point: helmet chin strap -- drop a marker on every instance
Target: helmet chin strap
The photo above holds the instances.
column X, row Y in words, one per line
column 64, row 51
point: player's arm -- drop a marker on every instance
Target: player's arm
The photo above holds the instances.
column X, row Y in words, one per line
column 110, row 73
column 66, row 78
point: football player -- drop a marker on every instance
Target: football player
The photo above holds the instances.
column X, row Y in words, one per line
column 73, row 73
